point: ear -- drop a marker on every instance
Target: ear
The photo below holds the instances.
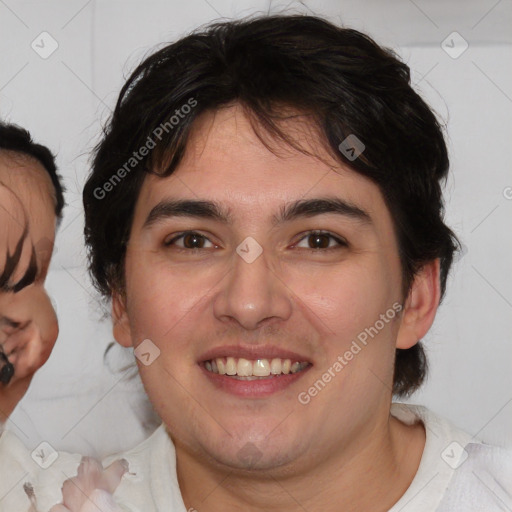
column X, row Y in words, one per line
column 420, row 306
column 121, row 328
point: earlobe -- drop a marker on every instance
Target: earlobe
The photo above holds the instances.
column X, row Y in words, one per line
column 121, row 325
column 421, row 305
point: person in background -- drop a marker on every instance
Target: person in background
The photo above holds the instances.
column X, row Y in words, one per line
column 31, row 204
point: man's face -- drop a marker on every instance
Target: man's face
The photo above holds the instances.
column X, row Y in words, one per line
column 305, row 298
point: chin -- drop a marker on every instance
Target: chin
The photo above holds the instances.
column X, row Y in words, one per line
column 252, row 450
column 252, row 459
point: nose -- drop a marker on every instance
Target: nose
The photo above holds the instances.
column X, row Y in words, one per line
column 252, row 294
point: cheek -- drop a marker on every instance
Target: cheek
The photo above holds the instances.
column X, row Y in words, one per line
column 347, row 299
column 160, row 296
column 358, row 346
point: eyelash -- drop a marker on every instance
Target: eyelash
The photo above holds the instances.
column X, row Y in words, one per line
column 340, row 242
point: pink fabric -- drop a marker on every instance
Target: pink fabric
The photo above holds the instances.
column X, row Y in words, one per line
column 91, row 490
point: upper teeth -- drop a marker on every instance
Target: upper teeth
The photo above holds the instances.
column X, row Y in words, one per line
column 258, row 368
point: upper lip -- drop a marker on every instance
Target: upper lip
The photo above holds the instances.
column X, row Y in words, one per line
column 252, row 352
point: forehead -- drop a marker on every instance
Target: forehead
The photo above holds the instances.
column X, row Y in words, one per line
column 32, row 186
column 27, row 178
column 225, row 161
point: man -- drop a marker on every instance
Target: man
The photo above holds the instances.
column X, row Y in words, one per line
column 265, row 213
column 31, row 203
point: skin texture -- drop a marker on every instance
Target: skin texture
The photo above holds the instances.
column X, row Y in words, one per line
column 28, row 324
column 342, row 451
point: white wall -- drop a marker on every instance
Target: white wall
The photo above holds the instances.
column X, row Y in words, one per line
column 64, row 98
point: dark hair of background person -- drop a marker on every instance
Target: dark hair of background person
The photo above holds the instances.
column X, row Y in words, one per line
column 16, row 139
column 338, row 77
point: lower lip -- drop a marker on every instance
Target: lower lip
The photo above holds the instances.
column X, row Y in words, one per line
column 257, row 388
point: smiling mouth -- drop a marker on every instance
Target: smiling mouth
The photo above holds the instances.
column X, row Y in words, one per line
column 246, row 369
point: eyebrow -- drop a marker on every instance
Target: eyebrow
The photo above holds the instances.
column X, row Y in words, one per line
column 318, row 206
column 186, row 208
column 297, row 209
column 11, row 264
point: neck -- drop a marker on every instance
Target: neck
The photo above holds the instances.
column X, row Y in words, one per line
column 371, row 473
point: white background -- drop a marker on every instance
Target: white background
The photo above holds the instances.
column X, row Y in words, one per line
column 75, row 401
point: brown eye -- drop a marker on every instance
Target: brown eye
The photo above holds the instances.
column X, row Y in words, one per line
column 318, row 241
column 193, row 241
column 321, row 240
column 189, row 240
